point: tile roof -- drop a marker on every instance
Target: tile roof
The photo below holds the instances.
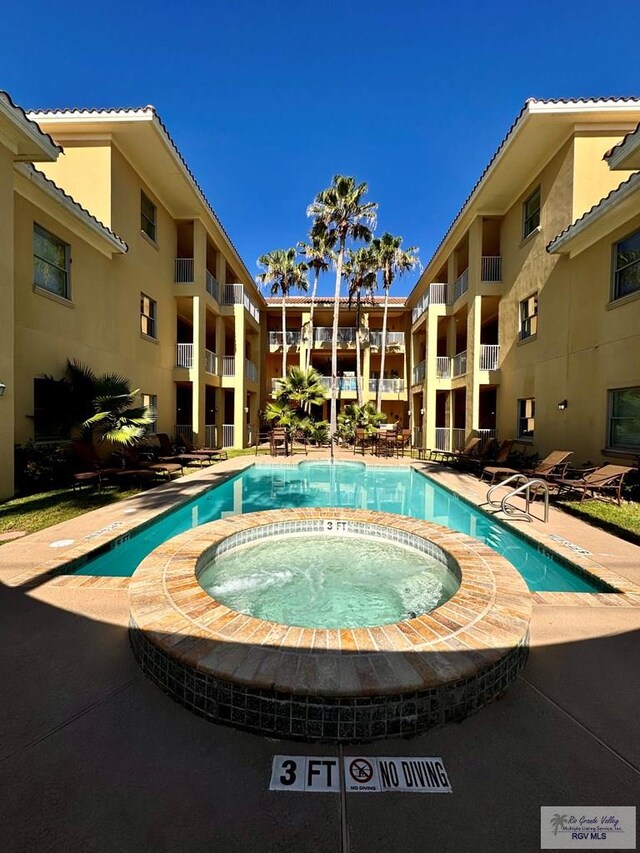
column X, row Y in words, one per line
column 150, row 110
column 630, row 185
column 35, row 126
column 80, row 210
column 394, row 301
column 622, row 142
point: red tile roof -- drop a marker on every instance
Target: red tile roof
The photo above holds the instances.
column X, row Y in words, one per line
column 394, row 301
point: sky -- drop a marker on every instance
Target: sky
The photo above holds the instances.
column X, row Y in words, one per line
column 267, row 100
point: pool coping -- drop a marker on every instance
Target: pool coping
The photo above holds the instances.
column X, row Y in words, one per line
column 486, row 619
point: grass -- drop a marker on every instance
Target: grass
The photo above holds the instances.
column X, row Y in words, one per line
column 623, row 521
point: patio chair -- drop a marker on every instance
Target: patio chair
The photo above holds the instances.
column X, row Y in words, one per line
column 169, row 454
column 449, row 456
column 211, row 453
column 552, row 467
column 279, row 442
column 88, row 467
column 607, row 478
column 500, row 454
column 361, row 439
column 403, row 440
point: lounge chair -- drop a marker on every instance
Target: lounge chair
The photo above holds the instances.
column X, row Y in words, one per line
column 551, row 467
column 216, row 454
column 607, row 478
column 485, row 457
column 169, row 454
column 448, row 456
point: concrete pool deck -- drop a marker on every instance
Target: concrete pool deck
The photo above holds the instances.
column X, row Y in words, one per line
column 95, row 757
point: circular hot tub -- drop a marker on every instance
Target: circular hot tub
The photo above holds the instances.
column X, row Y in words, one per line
column 333, row 625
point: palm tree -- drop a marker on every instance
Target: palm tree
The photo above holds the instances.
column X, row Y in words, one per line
column 340, row 214
column 392, row 261
column 318, row 256
column 282, row 272
column 557, row 822
column 303, row 388
column 360, row 271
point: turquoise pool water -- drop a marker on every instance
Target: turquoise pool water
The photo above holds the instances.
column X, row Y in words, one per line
column 398, row 490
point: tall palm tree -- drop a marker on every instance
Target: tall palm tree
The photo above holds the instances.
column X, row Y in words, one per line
column 392, row 261
column 303, row 388
column 340, row 213
column 318, row 256
column 360, row 271
column 283, row 272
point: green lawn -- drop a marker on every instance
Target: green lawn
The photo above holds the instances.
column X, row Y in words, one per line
column 623, row 520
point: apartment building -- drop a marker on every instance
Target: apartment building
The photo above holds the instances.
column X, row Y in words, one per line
column 303, row 348
column 112, row 255
column 526, row 321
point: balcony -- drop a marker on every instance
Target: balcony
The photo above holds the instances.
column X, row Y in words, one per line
column 211, row 362
column 292, row 340
column 250, row 370
column 459, row 364
column 213, row 288
column 449, row 438
column 489, row 356
column 184, row 271
column 184, row 355
column 344, row 383
column 443, row 367
column 491, row 269
column 387, row 386
column 324, row 335
column 235, row 294
column 461, row 285
column 228, row 365
column 395, row 340
column 418, row 373
column 436, row 294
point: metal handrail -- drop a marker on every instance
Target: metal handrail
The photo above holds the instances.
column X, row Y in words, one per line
column 525, row 488
column 500, row 485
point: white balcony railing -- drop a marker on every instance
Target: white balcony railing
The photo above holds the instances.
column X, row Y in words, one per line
column 461, row 286
column 344, row 383
column 211, row 435
column 491, row 269
column 211, row 362
column 485, row 435
column 227, row 435
column 417, row 437
column 394, row 339
column 292, row 339
column 228, row 365
column 418, row 373
column 459, row 364
column 489, row 356
column 392, row 386
column 443, row 367
column 235, row 294
column 184, row 271
column 212, row 285
column 439, row 294
column 250, row 370
column 420, row 307
column 324, row 335
column 450, row 438
column 184, row 355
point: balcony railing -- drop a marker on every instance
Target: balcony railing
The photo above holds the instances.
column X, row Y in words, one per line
column 250, row 370
column 343, row 383
column 228, row 365
column 211, row 435
column 489, row 356
column 417, row 437
column 324, row 335
column 184, row 355
column 485, row 435
column 292, row 339
column 392, row 386
column 420, row 307
column 459, row 364
column 491, row 269
column 227, row 435
column 418, row 373
column 443, row 367
column 394, row 339
column 235, row 294
column 450, row 438
column 211, row 362
column 439, row 294
column 184, row 271
column 212, row 285
column 461, row 286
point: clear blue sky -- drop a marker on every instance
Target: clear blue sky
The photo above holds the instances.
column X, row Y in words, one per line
column 268, row 100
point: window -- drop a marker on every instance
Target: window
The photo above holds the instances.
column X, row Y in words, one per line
column 51, row 259
column 47, row 424
column 147, row 216
column 148, row 308
column 150, row 401
column 624, row 419
column 526, row 417
column 626, row 275
column 531, row 213
column 529, row 317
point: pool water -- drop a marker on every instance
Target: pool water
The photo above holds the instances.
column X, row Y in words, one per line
column 313, row 581
column 397, row 490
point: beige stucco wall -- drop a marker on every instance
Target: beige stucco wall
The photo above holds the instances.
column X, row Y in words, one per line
column 7, row 402
column 84, row 171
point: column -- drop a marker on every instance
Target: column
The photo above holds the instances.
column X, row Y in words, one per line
column 305, row 344
column 430, row 378
column 197, row 372
column 474, row 320
column 240, row 393
column 8, row 375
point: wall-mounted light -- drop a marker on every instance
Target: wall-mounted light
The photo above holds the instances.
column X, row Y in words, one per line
column 2, row 389
column 422, row 411
column 562, row 405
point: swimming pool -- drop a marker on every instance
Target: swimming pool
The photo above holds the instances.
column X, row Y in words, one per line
column 349, row 485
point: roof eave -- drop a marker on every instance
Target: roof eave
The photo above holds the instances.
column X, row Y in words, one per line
column 32, row 144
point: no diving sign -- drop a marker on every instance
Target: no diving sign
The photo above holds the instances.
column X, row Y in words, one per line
column 361, row 774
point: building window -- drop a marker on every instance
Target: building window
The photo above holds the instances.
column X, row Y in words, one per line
column 624, row 419
column 529, row 317
column 148, row 310
column 626, row 276
column 47, row 425
column 148, row 216
column 531, row 213
column 51, row 260
column 526, row 417
column 150, row 401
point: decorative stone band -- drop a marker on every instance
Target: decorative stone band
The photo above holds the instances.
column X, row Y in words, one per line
column 347, row 684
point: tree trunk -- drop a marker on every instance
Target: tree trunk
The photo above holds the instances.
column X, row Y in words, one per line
column 284, row 338
column 384, row 345
column 333, row 421
column 313, row 303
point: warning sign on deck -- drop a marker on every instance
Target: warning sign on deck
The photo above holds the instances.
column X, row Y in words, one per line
column 362, row 774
